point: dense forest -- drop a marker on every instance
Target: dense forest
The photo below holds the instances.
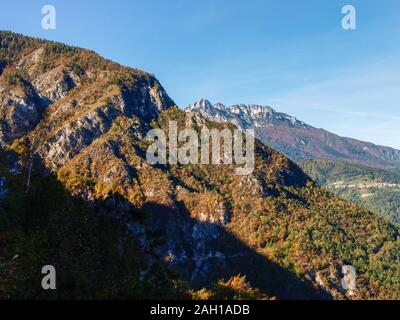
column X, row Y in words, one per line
column 375, row 189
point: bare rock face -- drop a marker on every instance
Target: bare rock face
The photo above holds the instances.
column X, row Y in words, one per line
column 146, row 100
column 55, row 84
column 245, row 116
column 22, row 104
column 250, row 185
column 20, row 111
column 31, row 60
column 70, row 139
column 195, row 236
column 95, row 120
column 70, row 120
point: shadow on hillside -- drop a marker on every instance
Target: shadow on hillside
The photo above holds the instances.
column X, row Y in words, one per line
column 204, row 253
column 201, row 252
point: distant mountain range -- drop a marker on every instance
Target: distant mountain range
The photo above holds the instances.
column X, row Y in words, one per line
column 296, row 139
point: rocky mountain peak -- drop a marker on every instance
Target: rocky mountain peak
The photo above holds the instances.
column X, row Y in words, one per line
column 296, row 139
column 202, row 104
column 245, row 116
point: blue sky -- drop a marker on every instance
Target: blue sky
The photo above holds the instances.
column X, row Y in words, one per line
column 290, row 54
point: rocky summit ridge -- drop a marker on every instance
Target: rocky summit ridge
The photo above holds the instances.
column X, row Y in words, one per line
column 296, row 139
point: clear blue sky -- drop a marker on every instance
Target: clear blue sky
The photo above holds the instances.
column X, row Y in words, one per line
column 290, row 54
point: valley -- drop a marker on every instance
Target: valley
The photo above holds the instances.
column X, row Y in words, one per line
column 376, row 189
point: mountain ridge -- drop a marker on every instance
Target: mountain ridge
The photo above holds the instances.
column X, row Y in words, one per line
column 296, row 139
column 245, row 116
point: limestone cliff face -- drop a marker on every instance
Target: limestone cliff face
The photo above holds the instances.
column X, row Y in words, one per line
column 75, row 96
column 20, row 112
column 85, row 118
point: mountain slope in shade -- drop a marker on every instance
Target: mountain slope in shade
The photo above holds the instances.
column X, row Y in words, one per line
column 296, row 139
column 73, row 125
